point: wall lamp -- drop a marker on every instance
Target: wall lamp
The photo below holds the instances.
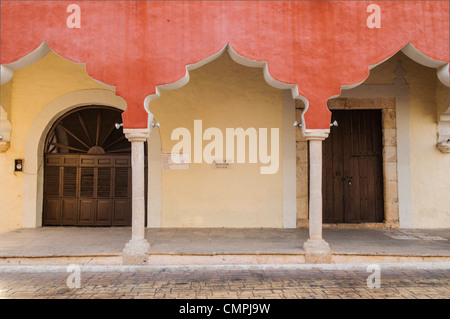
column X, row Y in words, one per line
column 18, row 165
column 152, row 124
column 335, row 123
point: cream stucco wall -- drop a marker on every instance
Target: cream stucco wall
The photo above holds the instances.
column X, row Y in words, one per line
column 223, row 94
column 430, row 168
column 5, row 97
column 29, row 92
column 8, row 219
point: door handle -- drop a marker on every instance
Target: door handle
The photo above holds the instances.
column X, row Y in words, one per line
column 348, row 179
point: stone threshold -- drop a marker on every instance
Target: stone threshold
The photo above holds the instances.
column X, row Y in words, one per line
column 173, row 259
column 357, row 226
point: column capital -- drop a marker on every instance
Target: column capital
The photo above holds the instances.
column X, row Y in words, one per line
column 137, row 135
column 317, row 134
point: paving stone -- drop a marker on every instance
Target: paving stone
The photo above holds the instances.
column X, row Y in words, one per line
column 226, row 284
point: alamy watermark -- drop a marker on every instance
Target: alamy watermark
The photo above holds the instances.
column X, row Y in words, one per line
column 74, row 279
column 234, row 146
column 374, row 279
column 74, row 19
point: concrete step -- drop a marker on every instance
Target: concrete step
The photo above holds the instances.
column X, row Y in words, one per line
column 215, row 259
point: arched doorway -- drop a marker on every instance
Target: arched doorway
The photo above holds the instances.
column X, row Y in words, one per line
column 87, row 170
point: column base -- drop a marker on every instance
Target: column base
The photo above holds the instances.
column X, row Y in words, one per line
column 136, row 252
column 317, row 252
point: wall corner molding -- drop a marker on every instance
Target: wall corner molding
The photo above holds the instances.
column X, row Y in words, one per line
column 444, row 147
column 443, row 129
column 5, row 131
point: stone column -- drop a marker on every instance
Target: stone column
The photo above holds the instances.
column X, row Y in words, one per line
column 302, row 175
column 136, row 251
column 316, row 249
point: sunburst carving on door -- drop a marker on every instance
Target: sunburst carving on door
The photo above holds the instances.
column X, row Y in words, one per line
column 89, row 130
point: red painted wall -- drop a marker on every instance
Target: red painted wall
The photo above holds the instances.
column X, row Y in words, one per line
column 137, row 45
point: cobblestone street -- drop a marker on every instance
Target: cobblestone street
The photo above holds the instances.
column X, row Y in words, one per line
column 222, row 283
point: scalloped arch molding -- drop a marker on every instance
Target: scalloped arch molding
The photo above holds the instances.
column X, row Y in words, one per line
column 314, row 48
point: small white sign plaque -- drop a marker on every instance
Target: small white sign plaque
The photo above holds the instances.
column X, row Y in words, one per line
column 222, row 164
column 175, row 160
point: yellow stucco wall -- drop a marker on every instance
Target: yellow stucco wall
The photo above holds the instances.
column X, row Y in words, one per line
column 222, row 94
column 5, row 97
column 8, row 218
column 30, row 90
column 430, row 168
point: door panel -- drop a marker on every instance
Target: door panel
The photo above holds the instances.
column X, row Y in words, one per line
column 87, row 212
column 51, row 211
column 121, row 178
column 104, row 182
column 87, row 182
column 333, row 175
column 91, row 190
column 69, row 211
column 121, row 207
column 352, row 168
column 52, row 184
column 69, row 181
column 104, row 212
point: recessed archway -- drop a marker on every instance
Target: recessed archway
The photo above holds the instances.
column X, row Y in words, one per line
column 34, row 145
column 87, row 170
column 218, row 94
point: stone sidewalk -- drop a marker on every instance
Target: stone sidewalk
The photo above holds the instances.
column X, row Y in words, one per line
column 47, row 241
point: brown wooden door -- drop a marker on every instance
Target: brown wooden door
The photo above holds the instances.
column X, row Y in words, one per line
column 352, row 168
column 87, row 190
column 87, row 172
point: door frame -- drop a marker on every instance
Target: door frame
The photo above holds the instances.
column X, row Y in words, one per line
column 399, row 212
column 387, row 105
column 33, row 180
column 393, row 102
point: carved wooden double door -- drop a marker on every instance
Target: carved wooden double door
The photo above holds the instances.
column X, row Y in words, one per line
column 87, row 170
